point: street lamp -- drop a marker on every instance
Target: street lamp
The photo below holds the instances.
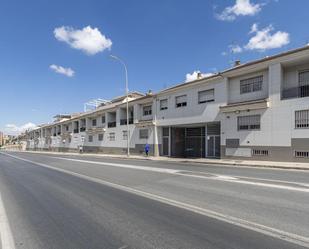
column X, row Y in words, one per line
column 127, row 94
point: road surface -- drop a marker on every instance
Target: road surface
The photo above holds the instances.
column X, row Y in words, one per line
column 57, row 201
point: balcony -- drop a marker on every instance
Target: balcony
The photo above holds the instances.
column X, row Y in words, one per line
column 124, row 121
column 295, row 92
column 82, row 129
column 75, row 130
column 111, row 124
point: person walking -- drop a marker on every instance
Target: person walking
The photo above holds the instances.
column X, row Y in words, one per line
column 147, row 149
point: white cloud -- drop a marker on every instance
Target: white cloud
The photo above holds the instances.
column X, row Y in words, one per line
column 264, row 39
column 62, row 70
column 240, row 8
column 235, row 49
column 89, row 40
column 194, row 75
column 15, row 129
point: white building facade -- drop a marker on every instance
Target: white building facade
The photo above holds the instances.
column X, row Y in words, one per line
column 258, row 110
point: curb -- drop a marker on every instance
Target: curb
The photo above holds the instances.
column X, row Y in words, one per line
column 223, row 164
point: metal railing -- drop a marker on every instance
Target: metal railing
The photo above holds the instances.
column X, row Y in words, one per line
column 111, row 124
column 124, row 121
column 295, row 92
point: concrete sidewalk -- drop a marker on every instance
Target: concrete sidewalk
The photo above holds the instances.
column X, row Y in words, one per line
column 222, row 162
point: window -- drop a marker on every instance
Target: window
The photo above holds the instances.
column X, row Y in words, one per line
column 260, row 152
column 252, row 122
column 303, row 78
column 302, row 119
column 206, row 96
column 181, row 101
column 66, row 127
column 143, row 133
column 125, row 135
column 251, row 85
column 147, row 110
column 163, row 104
column 302, row 154
column 103, row 119
column 94, row 122
column 70, row 139
column 112, row 136
column 90, row 138
column 100, row 137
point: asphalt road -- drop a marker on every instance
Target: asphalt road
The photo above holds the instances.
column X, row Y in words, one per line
column 87, row 202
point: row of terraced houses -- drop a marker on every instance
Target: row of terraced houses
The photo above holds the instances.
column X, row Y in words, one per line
column 258, row 110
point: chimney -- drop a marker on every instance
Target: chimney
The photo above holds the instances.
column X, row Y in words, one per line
column 199, row 75
column 237, row 63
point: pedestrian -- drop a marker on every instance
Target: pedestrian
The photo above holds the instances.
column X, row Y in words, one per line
column 147, row 149
column 80, row 149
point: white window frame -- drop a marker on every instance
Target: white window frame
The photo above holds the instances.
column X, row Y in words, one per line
column 90, row 138
column 206, row 96
column 182, row 103
column 94, row 122
column 253, row 84
column 249, row 121
column 163, row 107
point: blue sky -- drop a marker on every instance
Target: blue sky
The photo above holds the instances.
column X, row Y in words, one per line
column 161, row 42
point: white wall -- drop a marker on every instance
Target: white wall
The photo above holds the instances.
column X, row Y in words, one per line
column 234, row 95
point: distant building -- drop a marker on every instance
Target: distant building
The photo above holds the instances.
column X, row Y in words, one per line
column 1, row 139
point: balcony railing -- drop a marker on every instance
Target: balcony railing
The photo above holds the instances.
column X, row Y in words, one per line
column 124, row 121
column 82, row 129
column 111, row 124
column 75, row 130
column 295, row 92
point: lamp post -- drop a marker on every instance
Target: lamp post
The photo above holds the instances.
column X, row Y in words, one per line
column 127, row 101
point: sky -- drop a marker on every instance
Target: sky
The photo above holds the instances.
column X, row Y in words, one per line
column 55, row 55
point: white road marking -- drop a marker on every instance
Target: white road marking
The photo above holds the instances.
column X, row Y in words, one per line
column 7, row 241
column 273, row 232
column 224, row 178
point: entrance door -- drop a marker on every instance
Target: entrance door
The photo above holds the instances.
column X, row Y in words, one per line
column 213, row 146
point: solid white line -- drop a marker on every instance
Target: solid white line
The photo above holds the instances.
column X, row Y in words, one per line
column 224, row 178
column 7, row 241
column 273, row 232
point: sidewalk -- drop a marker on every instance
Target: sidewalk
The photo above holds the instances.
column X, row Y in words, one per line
column 222, row 162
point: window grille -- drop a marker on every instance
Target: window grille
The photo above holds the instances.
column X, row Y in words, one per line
column 143, row 133
column 302, row 119
column 112, row 136
column 260, row 152
column 251, row 85
column 90, row 138
column 100, row 137
column 252, row 122
column 302, row 154
column 147, row 110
